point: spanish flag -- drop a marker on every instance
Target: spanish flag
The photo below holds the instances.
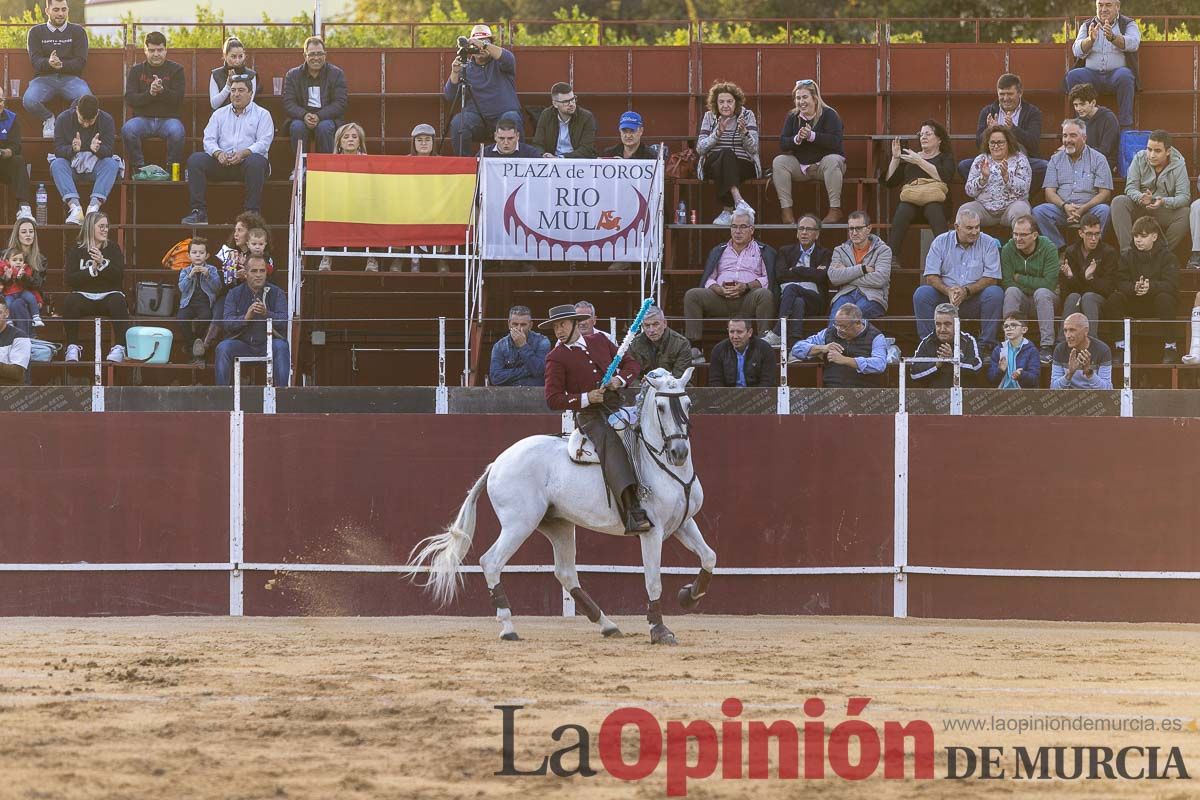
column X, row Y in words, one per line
column 383, row 201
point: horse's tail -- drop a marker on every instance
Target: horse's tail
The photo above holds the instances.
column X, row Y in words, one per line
column 446, row 550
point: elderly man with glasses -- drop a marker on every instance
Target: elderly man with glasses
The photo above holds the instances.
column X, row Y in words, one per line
column 803, row 280
column 739, row 281
column 565, row 130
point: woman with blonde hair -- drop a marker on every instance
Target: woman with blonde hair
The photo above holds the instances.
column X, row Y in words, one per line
column 728, row 147
column 94, row 270
column 811, row 145
column 350, row 140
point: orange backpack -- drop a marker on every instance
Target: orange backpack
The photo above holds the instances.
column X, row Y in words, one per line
column 177, row 257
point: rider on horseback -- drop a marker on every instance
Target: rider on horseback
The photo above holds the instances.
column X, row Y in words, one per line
column 574, row 369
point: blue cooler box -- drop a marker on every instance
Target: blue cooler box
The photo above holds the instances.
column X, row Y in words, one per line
column 148, row 345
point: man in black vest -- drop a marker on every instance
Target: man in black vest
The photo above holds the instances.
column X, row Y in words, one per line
column 854, row 351
column 1106, row 57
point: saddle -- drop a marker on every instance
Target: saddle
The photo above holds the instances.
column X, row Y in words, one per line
column 580, row 448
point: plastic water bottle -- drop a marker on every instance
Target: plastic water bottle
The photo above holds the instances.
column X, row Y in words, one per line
column 681, row 214
column 42, row 211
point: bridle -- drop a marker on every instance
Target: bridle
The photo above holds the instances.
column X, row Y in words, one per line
column 684, row 423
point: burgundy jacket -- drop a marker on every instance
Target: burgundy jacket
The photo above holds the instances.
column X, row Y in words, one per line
column 571, row 371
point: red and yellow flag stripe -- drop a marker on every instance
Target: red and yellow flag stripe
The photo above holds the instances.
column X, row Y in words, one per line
column 387, row 201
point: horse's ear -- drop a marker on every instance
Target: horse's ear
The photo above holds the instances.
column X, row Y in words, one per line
column 686, row 377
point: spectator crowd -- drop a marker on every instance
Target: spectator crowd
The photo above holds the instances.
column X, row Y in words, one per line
column 1049, row 263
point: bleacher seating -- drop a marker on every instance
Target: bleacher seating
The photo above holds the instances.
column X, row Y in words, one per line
column 879, row 90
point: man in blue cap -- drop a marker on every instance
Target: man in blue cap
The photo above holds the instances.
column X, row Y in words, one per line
column 630, row 128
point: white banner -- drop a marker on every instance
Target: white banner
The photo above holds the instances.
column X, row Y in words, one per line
column 551, row 209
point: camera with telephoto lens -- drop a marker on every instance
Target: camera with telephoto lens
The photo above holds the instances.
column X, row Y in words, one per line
column 467, row 48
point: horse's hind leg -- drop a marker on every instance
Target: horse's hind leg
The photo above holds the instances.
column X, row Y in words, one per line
column 689, row 534
column 562, row 536
column 493, row 561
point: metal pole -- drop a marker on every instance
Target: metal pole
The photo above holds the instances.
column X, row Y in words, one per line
column 442, row 405
column 97, row 376
column 900, row 510
column 269, row 389
column 236, row 502
column 783, row 403
column 956, row 388
column 1127, row 387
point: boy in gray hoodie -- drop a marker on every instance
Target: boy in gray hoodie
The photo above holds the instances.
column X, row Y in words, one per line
column 1156, row 186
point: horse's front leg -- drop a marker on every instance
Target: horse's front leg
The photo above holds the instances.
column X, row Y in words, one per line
column 689, row 534
column 652, row 563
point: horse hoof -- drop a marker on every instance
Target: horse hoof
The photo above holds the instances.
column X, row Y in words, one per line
column 612, row 633
column 661, row 634
column 510, row 637
column 685, row 597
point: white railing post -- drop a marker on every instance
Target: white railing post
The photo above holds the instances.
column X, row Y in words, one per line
column 783, row 402
column 237, row 505
column 97, row 375
column 1127, row 383
column 442, row 404
column 956, row 397
column 269, row 389
column 903, row 406
column 900, row 511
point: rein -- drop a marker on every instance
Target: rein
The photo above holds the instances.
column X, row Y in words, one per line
column 681, row 419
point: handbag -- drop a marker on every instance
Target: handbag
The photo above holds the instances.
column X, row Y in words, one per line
column 923, row 191
column 682, row 164
column 156, row 299
column 43, row 351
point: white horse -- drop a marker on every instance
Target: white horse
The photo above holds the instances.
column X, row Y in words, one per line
column 535, row 485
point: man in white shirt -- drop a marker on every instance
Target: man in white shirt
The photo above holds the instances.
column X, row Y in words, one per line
column 236, row 142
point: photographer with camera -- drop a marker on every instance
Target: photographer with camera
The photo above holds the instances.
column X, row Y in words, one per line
column 482, row 84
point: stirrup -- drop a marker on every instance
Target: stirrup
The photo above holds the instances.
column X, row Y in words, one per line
column 637, row 523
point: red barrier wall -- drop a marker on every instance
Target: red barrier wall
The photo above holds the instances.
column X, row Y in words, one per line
column 984, row 492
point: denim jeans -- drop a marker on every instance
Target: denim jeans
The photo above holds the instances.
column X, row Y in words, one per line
column 101, row 178
column 138, row 128
column 47, row 87
column 870, row 309
column 230, row 349
column 323, row 134
column 202, row 167
column 22, row 306
column 1050, row 219
column 467, row 128
column 985, row 306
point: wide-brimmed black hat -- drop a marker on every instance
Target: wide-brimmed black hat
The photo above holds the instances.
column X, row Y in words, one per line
column 562, row 312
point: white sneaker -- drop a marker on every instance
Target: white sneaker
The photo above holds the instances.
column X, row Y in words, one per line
column 772, row 338
column 73, row 351
column 697, row 357
column 724, row 218
column 372, row 265
column 37, row 321
column 116, row 354
column 25, row 212
column 1191, row 358
column 76, row 215
column 326, row 264
column 48, row 129
column 742, row 205
column 416, row 265
column 93, row 207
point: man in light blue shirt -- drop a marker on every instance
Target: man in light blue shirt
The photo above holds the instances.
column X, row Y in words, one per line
column 962, row 268
column 1078, row 181
column 236, row 142
column 1106, row 53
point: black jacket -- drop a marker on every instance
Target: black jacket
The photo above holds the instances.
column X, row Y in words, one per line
column 332, row 82
column 827, row 137
column 787, row 271
column 1104, row 280
column 1028, row 130
column 166, row 105
column 1158, row 264
column 761, row 366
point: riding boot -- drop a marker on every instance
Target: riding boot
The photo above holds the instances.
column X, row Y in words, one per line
column 636, row 521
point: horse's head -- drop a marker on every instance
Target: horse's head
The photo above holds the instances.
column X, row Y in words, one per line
column 668, row 403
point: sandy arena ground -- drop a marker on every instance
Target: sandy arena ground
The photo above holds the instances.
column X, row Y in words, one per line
column 202, row 708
